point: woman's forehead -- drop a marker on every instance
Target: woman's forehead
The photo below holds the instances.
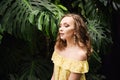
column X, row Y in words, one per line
column 67, row 20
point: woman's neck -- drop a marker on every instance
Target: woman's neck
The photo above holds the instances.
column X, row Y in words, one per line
column 70, row 43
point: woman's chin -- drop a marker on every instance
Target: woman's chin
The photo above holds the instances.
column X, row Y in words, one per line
column 62, row 38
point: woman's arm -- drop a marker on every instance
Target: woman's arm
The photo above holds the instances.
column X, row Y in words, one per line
column 52, row 78
column 74, row 76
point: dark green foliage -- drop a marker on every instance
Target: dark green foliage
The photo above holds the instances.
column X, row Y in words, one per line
column 28, row 30
column 18, row 62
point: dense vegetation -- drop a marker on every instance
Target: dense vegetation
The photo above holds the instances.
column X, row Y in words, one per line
column 28, row 31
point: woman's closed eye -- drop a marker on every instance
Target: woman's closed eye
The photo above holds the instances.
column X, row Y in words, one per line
column 66, row 26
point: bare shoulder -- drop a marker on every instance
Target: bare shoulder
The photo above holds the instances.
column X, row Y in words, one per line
column 81, row 54
column 56, row 50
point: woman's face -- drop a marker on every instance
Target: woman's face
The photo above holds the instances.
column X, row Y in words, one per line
column 66, row 29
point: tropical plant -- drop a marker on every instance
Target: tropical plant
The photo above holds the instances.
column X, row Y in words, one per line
column 32, row 26
column 34, row 23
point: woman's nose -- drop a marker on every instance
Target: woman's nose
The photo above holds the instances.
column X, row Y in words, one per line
column 61, row 29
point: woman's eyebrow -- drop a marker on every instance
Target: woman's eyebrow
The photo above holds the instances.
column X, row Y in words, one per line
column 65, row 23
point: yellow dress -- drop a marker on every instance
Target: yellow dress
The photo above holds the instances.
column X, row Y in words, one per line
column 63, row 66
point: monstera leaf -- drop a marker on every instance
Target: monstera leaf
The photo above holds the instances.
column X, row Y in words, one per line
column 20, row 16
column 28, row 20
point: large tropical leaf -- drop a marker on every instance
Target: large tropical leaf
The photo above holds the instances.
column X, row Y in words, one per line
column 98, row 34
column 23, row 19
column 18, row 15
column 15, row 18
column 33, row 70
column 19, row 59
column 47, row 12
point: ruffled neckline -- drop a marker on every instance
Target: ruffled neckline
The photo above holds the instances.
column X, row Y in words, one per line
column 70, row 64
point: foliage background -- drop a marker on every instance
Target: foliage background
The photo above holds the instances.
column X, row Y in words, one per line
column 28, row 31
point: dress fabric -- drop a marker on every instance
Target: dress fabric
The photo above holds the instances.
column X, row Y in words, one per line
column 64, row 66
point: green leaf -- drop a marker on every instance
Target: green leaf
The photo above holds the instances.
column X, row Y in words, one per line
column 53, row 27
column 4, row 5
column 32, row 16
column 40, row 21
column 62, row 7
column 46, row 24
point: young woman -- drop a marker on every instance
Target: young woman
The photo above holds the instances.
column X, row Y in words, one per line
column 71, row 50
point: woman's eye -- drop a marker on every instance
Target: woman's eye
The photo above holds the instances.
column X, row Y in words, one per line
column 66, row 25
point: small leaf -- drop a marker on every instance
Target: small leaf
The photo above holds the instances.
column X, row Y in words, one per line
column 40, row 21
column 53, row 27
column 46, row 24
column 62, row 7
column 31, row 18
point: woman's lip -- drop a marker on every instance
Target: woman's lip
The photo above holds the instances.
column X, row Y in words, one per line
column 61, row 34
